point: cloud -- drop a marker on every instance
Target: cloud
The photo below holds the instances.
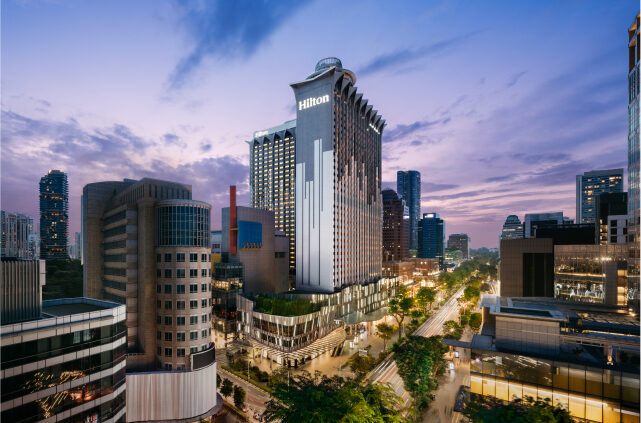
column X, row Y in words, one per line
column 402, row 130
column 427, row 187
column 514, row 79
column 228, row 29
column 405, row 56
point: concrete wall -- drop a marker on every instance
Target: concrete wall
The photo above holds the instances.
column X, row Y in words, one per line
column 511, row 270
column 527, row 335
column 21, row 290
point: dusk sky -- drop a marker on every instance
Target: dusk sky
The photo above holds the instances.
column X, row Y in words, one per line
column 498, row 104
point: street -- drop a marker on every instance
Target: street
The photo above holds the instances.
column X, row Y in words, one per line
column 256, row 398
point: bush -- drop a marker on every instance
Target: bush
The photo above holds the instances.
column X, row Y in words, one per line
column 475, row 321
column 452, row 330
column 284, row 307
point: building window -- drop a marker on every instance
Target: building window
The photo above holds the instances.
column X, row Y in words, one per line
column 159, row 320
column 167, row 305
column 180, row 257
column 168, row 336
column 158, row 304
column 159, row 350
column 180, row 273
column 203, row 273
column 168, row 354
column 193, row 257
column 203, row 318
column 193, row 273
column 167, row 289
column 203, row 333
column 203, row 257
column 158, row 288
column 192, row 350
column 193, row 320
column 180, row 352
column 167, row 320
column 193, row 335
column 167, row 257
column 180, row 336
column 180, row 320
column 180, row 289
column 180, row 305
column 203, row 287
column 168, row 273
column 158, row 256
column 158, row 273
column 193, row 304
column 203, row 303
column 158, row 335
column 193, row 288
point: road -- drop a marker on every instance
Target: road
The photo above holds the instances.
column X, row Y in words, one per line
column 255, row 398
column 386, row 371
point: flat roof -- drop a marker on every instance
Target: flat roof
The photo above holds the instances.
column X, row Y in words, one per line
column 72, row 308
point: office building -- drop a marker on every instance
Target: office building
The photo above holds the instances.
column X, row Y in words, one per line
column 567, row 234
column 408, row 186
column 460, row 242
column 75, row 248
column 338, row 182
column 589, row 186
column 534, row 220
column 591, row 273
column 17, row 230
column 396, row 223
column 431, row 238
column 249, row 237
column 227, row 281
column 634, row 223
column 582, row 357
column 62, row 360
column 527, row 267
column 611, row 204
column 617, row 229
column 272, row 154
column 146, row 244
column 54, row 215
column 512, row 228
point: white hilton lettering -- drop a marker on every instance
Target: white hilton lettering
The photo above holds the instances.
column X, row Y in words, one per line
column 313, row 101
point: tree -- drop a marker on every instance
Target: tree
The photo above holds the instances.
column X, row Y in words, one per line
column 475, row 321
column 486, row 409
column 324, row 399
column 425, row 296
column 452, row 330
column 218, row 381
column 361, row 364
column 419, row 360
column 400, row 306
column 385, row 332
column 239, row 396
column 227, row 388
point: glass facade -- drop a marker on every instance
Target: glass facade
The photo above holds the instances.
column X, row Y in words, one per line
column 592, row 184
column 45, row 392
column 408, row 186
column 182, row 224
column 590, row 393
column 512, row 228
column 431, row 239
column 634, row 115
column 54, row 215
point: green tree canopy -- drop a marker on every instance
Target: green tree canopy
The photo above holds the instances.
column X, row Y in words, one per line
column 452, row 330
column 239, row 396
column 321, row 399
column 385, row 332
column 425, row 296
column 483, row 409
column 227, row 388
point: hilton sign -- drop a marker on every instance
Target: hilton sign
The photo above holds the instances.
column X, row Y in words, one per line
column 313, row 101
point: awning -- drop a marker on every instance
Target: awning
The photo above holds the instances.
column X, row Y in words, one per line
column 359, row 317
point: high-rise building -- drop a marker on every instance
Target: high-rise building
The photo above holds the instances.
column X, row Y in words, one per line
column 534, row 220
column 146, row 244
column 589, row 186
column 460, row 242
column 62, row 360
column 272, row 154
column 608, row 207
column 634, row 223
column 16, row 230
column 512, row 228
column 338, row 181
column 396, row 222
column 54, row 215
column 408, row 186
column 527, row 267
column 431, row 238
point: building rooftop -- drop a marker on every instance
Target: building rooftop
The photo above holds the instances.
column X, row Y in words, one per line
column 68, row 309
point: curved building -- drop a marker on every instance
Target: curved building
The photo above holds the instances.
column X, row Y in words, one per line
column 147, row 245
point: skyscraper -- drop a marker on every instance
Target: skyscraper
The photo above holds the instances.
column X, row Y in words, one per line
column 634, row 223
column 16, row 230
column 54, row 217
column 408, row 186
column 431, row 237
column 512, row 228
column 460, row 242
column 338, row 181
column 589, row 186
column 610, row 208
column 146, row 244
column 395, row 227
column 534, row 220
column 272, row 154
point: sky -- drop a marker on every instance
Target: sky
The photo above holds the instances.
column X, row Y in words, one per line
column 498, row 104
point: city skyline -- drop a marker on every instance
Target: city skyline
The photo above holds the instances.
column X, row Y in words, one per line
column 162, row 109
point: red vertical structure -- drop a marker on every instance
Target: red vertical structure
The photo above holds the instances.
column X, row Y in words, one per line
column 233, row 224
